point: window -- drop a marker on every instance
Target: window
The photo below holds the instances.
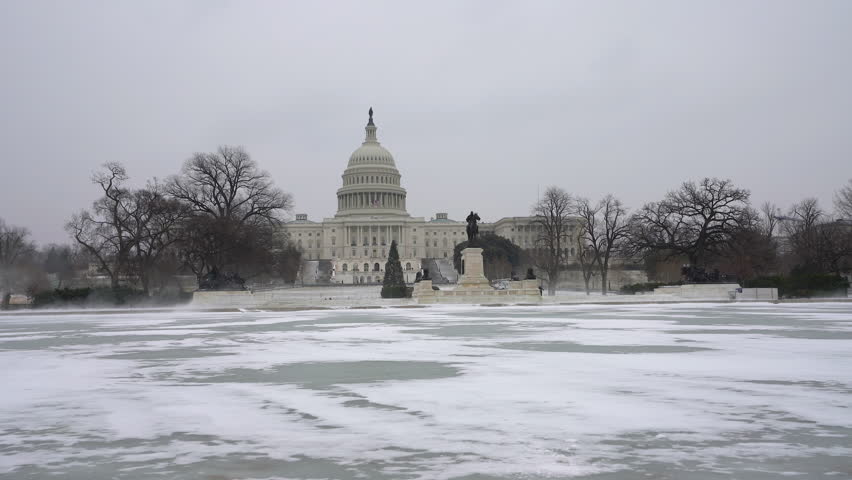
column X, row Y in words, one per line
column 445, row 243
column 333, row 240
column 366, row 267
column 408, row 265
column 355, row 267
column 376, row 267
column 353, row 252
column 345, row 267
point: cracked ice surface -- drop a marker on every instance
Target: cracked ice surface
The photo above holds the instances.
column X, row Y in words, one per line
column 703, row 391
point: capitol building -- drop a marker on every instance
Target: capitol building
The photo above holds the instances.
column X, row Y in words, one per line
column 352, row 247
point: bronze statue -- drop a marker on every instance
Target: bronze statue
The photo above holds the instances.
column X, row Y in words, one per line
column 472, row 227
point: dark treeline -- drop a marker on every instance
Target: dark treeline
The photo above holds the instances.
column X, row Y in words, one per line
column 709, row 229
column 219, row 217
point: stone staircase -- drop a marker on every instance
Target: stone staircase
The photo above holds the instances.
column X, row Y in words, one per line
column 316, row 272
column 441, row 270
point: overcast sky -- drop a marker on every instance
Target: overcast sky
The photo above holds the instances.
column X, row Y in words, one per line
column 481, row 103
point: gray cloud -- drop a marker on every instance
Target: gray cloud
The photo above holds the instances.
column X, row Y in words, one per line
column 598, row 97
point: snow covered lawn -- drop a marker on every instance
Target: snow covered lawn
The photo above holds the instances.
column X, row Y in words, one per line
column 748, row 391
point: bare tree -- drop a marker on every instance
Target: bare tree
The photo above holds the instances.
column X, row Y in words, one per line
column 604, row 228
column 801, row 226
column 127, row 231
column 770, row 216
column 229, row 184
column 843, row 201
column 751, row 251
column 816, row 243
column 697, row 221
column 155, row 221
column 15, row 248
column 102, row 232
column 552, row 217
column 587, row 259
column 235, row 213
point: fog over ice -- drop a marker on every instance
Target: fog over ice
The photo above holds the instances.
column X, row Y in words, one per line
column 624, row 97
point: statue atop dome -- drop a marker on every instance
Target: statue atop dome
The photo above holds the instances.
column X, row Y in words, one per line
column 370, row 122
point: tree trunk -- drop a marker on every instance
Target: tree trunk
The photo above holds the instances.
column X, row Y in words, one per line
column 145, row 284
column 588, row 290
column 603, row 280
column 552, row 279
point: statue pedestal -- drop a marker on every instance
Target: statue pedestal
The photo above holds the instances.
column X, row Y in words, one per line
column 474, row 288
column 423, row 290
column 473, row 271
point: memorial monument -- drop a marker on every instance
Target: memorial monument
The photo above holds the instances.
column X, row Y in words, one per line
column 473, row 286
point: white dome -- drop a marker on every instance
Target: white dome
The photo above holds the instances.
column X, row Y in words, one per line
column 371, row 182
column 371, row 153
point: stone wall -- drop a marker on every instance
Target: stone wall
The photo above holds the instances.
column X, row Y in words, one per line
column 701, row 291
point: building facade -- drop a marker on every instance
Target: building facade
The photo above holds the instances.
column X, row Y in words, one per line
column 352, row 246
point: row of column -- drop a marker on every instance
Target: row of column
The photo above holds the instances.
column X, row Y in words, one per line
column 370, row 199
column 360, row 233
column 388, row 180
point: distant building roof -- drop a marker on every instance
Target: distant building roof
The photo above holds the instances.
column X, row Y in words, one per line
column 442, row 218
column 301, row 218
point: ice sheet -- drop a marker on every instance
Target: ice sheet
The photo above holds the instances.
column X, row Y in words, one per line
column 678, row 391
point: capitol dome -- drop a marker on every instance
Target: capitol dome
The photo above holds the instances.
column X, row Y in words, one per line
column 371, row 151
column 371, row 182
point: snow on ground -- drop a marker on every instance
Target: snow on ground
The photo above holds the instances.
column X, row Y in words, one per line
column 748, row 391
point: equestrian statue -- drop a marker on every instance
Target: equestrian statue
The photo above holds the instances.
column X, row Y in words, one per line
column 472, row 227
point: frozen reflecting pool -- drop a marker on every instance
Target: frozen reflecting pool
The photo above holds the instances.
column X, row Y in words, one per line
column 690, row 391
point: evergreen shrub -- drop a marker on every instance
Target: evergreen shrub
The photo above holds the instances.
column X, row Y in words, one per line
column 393, row 285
